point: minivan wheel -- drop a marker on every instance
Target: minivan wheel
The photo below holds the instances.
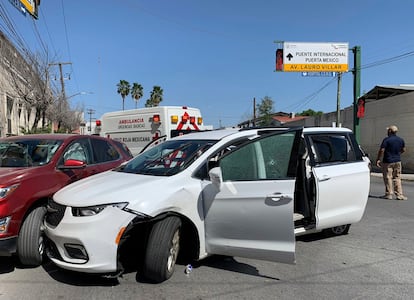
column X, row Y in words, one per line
column 30, row 245
column 162, row 249
column 337, row 230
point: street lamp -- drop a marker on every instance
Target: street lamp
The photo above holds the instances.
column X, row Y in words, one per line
column 80, row 93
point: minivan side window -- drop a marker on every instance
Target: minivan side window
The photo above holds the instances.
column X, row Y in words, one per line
column 332, row 148
column 264, row 159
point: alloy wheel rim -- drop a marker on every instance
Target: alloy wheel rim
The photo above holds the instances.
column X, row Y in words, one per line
column 175, row 246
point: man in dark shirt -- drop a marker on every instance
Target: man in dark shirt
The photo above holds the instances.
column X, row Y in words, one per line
column 390, row 152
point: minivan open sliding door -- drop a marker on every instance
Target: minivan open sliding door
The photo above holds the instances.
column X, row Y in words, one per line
column 251, row 213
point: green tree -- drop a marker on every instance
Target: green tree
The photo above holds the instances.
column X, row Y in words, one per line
column 265, row 111
column 155, row 97
column 123, row 89
column 137, row 92
column 310, row 112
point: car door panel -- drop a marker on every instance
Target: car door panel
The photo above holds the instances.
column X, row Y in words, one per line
column 342, row 193
column 251, row 214
column 251, row 219
column 341, row 178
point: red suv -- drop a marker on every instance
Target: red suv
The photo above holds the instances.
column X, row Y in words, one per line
column 32, row 169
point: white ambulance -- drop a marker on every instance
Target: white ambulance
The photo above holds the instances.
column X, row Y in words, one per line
column 138, row 127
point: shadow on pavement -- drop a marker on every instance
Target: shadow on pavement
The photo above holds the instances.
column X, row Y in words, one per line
column 8, row 264
column 228, row 263
column 77, row 278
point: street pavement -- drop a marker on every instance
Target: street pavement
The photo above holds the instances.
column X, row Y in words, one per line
column 406, row 176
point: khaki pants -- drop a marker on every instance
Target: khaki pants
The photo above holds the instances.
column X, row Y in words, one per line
column 391, row 173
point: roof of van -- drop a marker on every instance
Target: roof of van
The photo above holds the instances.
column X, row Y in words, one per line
column 219, row 134
column 153, row 109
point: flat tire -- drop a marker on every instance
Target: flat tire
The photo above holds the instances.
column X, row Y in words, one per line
column 162, row 249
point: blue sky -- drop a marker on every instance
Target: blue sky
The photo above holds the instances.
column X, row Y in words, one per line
column 215, row 55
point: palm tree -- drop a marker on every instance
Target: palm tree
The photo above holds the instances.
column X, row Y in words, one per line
column 123, row 89
column 155, row 98
column 137, row 92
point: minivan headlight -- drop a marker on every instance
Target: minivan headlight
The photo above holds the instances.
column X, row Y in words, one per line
column 94, row 210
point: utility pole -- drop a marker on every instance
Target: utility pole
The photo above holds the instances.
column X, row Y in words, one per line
column 90, row 112
column 254, row 112
column 63, row 87
column 357, row 88
column 61, row 75
column 338, row 101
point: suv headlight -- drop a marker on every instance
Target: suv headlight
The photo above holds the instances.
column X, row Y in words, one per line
column 94, row 210
column 4, row 224
column 6, row 191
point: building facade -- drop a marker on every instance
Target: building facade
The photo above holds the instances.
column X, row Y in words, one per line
column 15, row 114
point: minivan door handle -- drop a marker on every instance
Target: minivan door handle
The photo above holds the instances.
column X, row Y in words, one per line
column 324, row 178
column 278, row 196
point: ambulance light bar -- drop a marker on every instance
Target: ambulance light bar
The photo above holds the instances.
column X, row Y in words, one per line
column 184, row 118
column 156, row 119
column 174, row 119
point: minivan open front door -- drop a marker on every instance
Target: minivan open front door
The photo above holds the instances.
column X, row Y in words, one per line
column 342, row 179
column 251, row 213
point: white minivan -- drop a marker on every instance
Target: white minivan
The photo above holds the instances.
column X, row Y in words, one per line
column 237, row 192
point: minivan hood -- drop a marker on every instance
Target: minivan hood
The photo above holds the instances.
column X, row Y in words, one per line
column 105, row 188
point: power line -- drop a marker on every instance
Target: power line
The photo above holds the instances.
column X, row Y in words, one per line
column 305, row 101
column 47, row 30
column 388, row 60
column 11, row 31
column 39, row 38
column 66, row 29
column 67, row 43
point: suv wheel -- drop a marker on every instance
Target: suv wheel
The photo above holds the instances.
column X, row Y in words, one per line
column 162, row 249
column 30, row 244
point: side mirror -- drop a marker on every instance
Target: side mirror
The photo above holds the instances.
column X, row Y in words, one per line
column 73, row 164
column 216, row 177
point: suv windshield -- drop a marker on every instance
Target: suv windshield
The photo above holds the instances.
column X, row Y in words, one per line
column 27, row 153
column 168, row 158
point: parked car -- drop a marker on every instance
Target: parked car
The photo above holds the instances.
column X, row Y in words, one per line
column 32, row 169
column 244, row 193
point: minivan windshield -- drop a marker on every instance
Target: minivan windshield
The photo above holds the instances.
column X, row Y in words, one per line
column 168, row 158
column 27, row 152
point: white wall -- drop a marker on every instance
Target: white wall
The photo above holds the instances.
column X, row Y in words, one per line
column 379, row 114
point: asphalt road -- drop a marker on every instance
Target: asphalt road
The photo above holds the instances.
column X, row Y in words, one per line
column 374, row 261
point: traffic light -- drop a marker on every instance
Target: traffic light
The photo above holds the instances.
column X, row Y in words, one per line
column 361, row 107
column 279, row 60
